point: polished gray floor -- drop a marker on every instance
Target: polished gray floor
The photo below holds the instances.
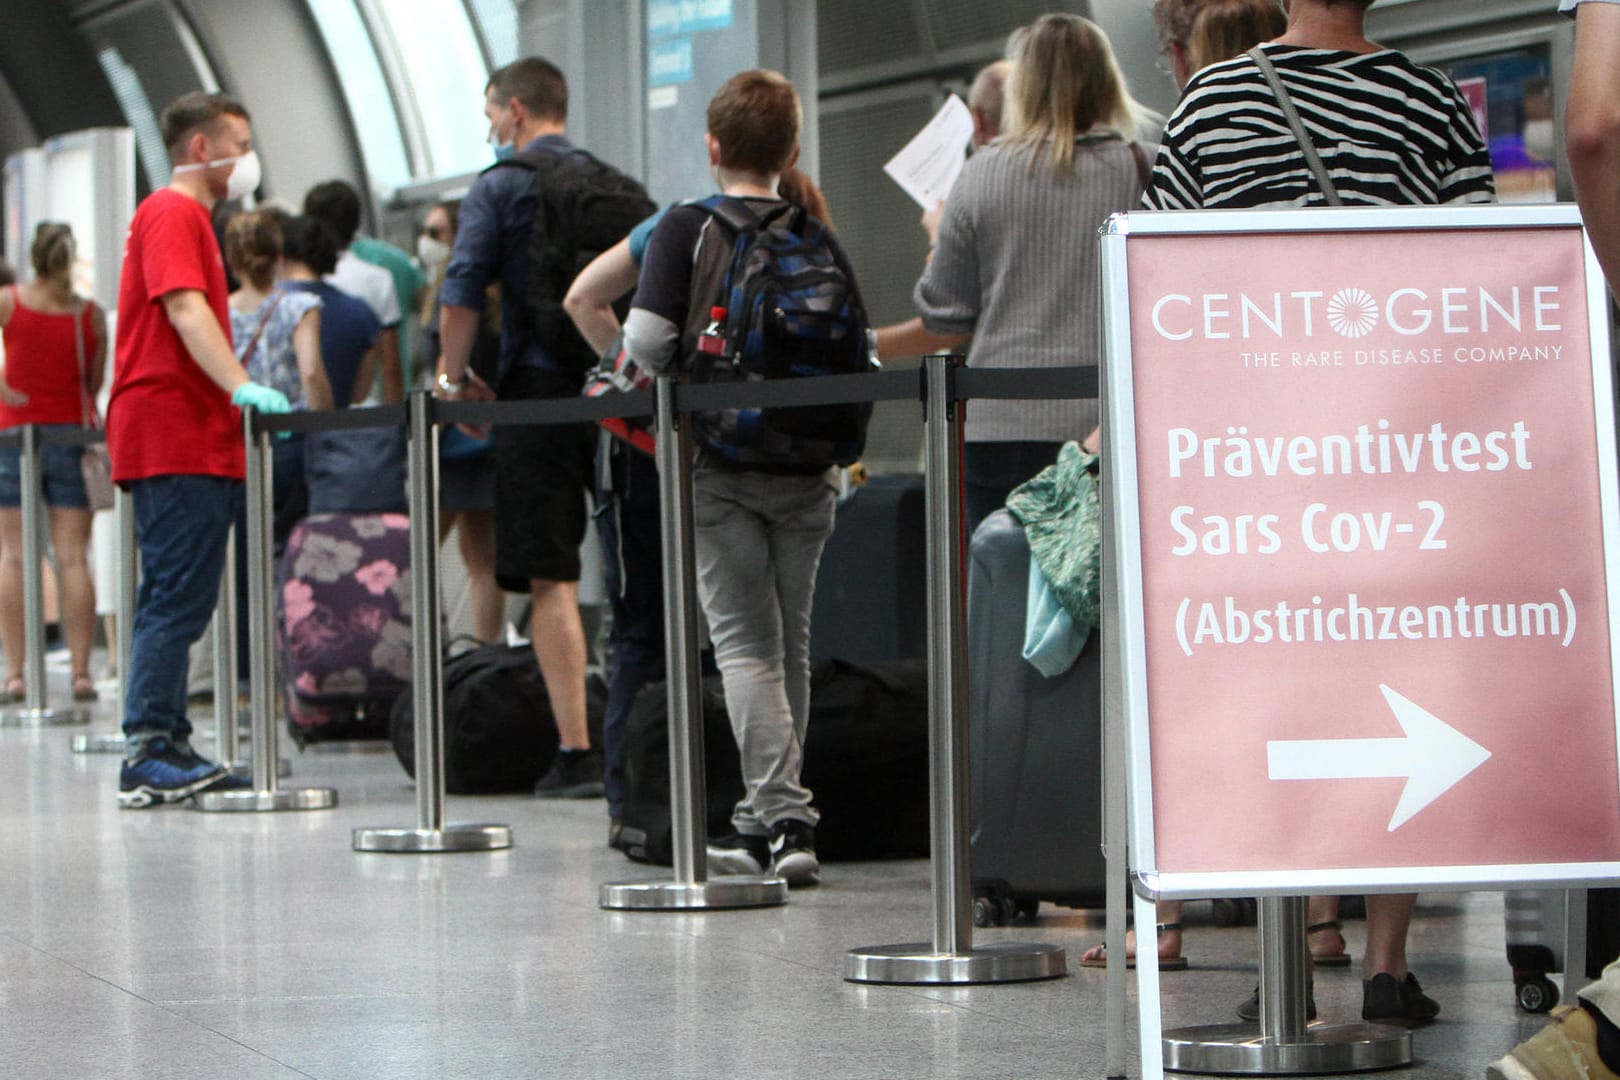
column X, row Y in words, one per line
column 172, row 943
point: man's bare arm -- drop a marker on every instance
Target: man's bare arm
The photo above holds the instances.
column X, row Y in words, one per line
column 1592, row 130
column 204, row 338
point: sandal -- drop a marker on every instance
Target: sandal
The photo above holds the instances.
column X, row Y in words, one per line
column 84, row 689
column 1329, row 960
column 1097, row 955
column 15, row 692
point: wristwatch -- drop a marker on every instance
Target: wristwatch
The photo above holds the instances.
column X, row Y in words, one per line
column 456, row 386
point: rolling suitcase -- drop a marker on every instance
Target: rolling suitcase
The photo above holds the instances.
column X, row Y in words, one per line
column 1535, row 921
column 871, row 600
column 1035, row 745
column 343, row 624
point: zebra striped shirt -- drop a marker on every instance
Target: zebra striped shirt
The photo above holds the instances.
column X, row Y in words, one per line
column 1390, row 132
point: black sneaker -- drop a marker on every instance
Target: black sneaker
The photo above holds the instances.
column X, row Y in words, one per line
column 615, row 833
column 574, row 774
column 1385, row 1001
column 1250, row 1009
column 793, row 852
column 164, row 772
column 739, row 853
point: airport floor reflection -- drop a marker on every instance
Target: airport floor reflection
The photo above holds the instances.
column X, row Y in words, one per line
column 185, row 945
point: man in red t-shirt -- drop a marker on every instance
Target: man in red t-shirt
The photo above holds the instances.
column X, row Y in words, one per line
column 174, row 432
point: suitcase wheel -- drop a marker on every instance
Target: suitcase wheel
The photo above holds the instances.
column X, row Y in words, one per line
column 985, row 910
column 1537, row 993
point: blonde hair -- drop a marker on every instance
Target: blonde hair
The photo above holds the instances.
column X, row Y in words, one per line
column 1224, row 29
column 252, row 246
column 1064, row 82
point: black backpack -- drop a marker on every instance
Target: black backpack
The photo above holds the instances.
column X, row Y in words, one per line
column 499, row 734
column 583, row 206
column 792, row 310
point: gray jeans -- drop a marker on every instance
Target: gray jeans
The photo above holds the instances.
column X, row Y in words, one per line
column 758, row 543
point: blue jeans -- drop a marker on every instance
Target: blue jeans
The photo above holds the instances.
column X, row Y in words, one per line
column 628, row 523
column 758, row 540
column 181, row 523
column 61, row 475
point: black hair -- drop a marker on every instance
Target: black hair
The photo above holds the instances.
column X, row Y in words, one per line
column 338, row 204
column 307, row 239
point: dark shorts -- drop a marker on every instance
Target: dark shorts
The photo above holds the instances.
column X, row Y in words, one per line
column 467, row 483
column 542, row 475
column 60, row 476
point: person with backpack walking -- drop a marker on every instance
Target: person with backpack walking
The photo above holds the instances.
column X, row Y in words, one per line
column 744, row 286
column 530, row 223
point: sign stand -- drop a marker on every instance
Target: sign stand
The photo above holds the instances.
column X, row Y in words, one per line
column 1284, row 1045
column 951, row 958
column 691, row 889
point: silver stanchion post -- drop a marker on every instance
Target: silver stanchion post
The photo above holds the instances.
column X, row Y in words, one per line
column 226, row 735
column 35, row 713
column 691, row 888
column 431, row 834
column 265, row 795
column 951, row 957
column 1285, row 1043
column 124, row 584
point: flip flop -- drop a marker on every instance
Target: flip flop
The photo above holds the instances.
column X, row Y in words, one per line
column 1330, row 960
column 84, row 689
column 1166, row 963
column 15, row 691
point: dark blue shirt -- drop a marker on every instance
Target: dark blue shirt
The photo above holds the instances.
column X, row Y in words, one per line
column 492, row 244
column 348, row 329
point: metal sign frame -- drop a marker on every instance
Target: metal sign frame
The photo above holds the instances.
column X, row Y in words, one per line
column 1123, row 510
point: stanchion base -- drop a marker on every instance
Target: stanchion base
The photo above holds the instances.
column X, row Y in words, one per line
column 47, row 717
column 1239, row 1050
column 715, row 893
column 315, row 798
column 113, row 743
column 243, row 770
column 921, row 965
column 456, row 837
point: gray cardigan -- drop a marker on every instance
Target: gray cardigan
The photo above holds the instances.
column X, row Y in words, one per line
column 1016, row 266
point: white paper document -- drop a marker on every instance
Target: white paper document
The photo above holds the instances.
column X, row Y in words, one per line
column 929, row 164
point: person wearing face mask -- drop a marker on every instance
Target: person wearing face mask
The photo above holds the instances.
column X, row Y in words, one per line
column 466, row 465
column 176, row 374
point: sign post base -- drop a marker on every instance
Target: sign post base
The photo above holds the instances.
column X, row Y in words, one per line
column 425, row 841
column 1240, row 1050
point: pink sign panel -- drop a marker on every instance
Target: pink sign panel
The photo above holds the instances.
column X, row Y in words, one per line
column 1374, row 598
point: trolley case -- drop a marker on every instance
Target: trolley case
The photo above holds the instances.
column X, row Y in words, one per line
column 871, row 595
column 343, row 624
column 1535, row 922
column 1036, row 747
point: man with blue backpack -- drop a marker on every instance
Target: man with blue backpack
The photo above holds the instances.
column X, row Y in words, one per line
column 740, row 287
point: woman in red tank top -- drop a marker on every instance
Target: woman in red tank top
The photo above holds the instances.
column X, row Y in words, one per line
column 51, row 336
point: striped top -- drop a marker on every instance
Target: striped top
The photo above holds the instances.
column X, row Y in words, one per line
column 1390, row 132
column 1016, row 266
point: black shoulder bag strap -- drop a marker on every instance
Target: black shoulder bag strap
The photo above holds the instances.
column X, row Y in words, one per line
column 1312, row 158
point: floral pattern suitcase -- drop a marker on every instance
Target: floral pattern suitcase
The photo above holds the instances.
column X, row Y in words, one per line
column 343, row 624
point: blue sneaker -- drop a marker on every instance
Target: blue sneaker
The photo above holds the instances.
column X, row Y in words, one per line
column 163, row 772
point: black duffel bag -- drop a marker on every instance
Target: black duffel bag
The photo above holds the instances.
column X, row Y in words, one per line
column 865, row 761
column 499, row 731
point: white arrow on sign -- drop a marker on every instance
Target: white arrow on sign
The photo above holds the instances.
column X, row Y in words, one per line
column 1433, row 757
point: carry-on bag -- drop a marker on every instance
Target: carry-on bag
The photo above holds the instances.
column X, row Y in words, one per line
column 871, row 599
column 865, row 761
column 1534, row 924
column 343, row 624
column 1035, row 747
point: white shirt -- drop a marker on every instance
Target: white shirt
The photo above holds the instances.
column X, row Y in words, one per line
column 370, row 283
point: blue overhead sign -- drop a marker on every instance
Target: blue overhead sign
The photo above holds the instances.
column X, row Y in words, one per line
column 666, row 18
column 669, row 63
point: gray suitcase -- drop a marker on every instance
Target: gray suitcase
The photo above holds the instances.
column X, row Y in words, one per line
column 1535, row 922
column 1036, row 748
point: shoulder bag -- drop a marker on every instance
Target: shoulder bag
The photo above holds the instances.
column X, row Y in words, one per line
column 1312, row 158
column 95, row 464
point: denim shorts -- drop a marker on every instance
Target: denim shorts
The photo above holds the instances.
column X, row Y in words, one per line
column 60, row 471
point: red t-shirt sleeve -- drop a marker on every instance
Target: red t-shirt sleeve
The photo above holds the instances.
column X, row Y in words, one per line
column 171, row 251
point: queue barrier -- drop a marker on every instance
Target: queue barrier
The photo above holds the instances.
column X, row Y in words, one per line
column 35, row 711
